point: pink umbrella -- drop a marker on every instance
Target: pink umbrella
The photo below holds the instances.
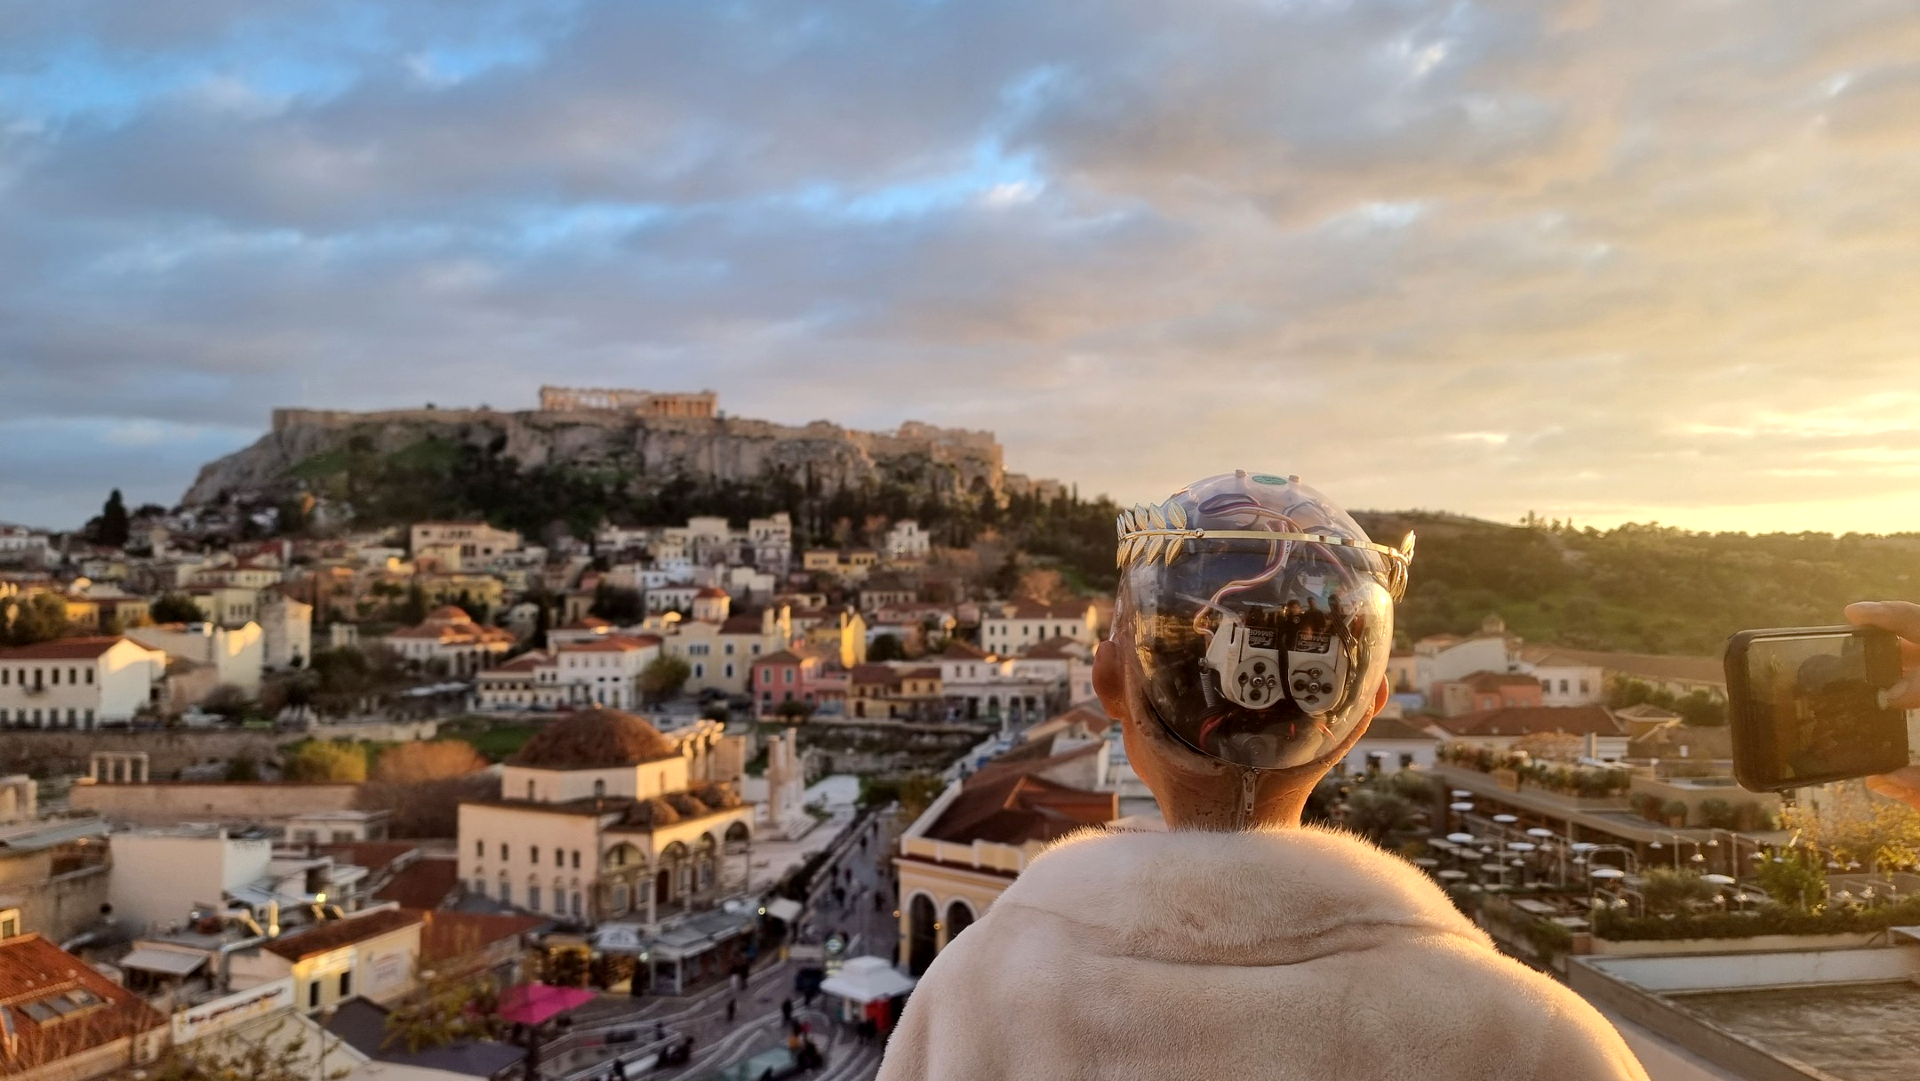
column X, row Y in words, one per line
column 532, row 1003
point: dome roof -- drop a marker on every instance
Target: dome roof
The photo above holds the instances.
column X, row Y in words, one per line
column 594, row 739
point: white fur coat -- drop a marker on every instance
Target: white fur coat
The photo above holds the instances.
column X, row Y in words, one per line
column 1297, row 954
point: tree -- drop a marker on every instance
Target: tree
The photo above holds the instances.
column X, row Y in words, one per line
column 1377, row 814
column 415, row 608
column 422, row 784
column 794, row 709
column 1675, row 893
column 242, row 768
column 325, row 761
column 1852, row 825
column 259, row 1057
column 617, row 605
column 176, row 608
column 663, row 677
column 1794, row 877
column 111, row 527
column 421, row 760
column 885, row 647
column 228, row 701
column 39, row 618
column 1702, row 709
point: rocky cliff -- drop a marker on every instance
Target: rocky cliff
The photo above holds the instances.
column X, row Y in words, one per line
column 303, row 444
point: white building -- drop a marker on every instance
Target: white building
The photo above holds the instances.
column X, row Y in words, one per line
column 161, row 875
column 1391, row 744
column 1443, row 658
column 1565, row 679
column 1012, row 628
column 906, row 541
column 600, row 816
column 78, row 682
column 464, row 541
column 589, row 670
column 235, row 654
column 450, row 639
column 288, row 627
column 18, row 544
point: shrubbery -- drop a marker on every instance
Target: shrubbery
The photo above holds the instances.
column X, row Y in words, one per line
column 1778, row 920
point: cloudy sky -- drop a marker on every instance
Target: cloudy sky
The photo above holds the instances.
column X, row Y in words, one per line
column 1616, row 261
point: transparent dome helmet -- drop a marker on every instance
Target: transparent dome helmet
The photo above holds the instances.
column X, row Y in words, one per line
column 1260, row 617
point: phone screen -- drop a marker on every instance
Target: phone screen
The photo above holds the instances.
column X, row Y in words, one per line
column 1814, row 700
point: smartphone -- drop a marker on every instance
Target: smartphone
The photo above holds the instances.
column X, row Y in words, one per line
column 1804, row 705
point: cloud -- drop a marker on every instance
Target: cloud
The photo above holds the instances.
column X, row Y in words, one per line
column 1570, row 258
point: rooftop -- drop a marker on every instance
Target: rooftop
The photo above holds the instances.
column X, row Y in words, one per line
column 44, row 986
column 1525, row 720
column 337, row 933
column 1654, row 666
column 594, row 739
column 63, row 649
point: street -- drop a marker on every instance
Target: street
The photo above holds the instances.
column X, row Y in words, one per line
column 857, row 869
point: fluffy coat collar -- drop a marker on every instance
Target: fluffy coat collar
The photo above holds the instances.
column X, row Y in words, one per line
column 1272, row 897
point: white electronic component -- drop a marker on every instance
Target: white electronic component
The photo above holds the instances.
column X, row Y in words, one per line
column 1247, row 662
column 1316, row 670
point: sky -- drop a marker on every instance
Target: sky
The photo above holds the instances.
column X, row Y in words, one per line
column 1606, row 262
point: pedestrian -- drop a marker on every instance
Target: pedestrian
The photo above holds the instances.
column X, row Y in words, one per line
column 786, row 1011
column 731, row 1006
column 659, row 1030
column 619, row 1070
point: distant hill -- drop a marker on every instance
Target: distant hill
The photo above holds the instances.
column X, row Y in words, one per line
column 1635, row 588
column 1647, row 589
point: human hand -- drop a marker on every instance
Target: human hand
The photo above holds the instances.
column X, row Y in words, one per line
column 1903, row 619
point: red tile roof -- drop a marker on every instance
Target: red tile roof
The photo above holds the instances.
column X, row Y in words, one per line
column 960, row 651
column 710, row 592
column 33, row 970
column 1493, row 681
column 62, row 649
column 446, row 936
column 331, row 936
column 1526, row 720
column 1014, row 807
column 424, row 883
column 741, row 624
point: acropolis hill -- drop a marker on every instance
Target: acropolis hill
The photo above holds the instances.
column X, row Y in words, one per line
column 648, row 434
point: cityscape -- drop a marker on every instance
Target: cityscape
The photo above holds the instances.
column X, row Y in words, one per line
column 903, row 540
column 721, row 794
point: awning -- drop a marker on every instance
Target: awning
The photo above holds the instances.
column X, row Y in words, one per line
column 171, row 962
column 532, row 1003
column 866, row 979
column 784, row 909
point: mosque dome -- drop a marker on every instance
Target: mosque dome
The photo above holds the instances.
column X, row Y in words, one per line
column 595, row 739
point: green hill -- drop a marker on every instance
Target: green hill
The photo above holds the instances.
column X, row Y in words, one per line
column 1642, row 588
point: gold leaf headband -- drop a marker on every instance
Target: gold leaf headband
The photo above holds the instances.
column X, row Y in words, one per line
column 1148, row 532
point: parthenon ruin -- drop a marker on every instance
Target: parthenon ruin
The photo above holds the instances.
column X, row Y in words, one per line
column 643, row 403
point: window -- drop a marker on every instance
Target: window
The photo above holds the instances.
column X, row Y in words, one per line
column 1563, row 686
column 729, row 649
column 313, row 995
column 574, row 904
column 56, row 677
column 479, row 887
column 479, row 849
column 529, row 789
column 533, row 898
column 559, row 857
column 533, row 855
column 599, row 789
column 346, row 983
column 576, row 860
column 699, row 671
column 789, row 673
column 729, row 665
column 503, row 851
column 89, row 676
column 1583, row 687
column 73, row 675
column 766, row 675
column 89, row 718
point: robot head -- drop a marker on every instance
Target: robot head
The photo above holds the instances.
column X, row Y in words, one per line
column 1259, row 614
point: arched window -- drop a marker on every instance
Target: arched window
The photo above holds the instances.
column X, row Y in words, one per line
column 619, row 898
column 959, row 918
column 599, row 789
column 920, row 934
